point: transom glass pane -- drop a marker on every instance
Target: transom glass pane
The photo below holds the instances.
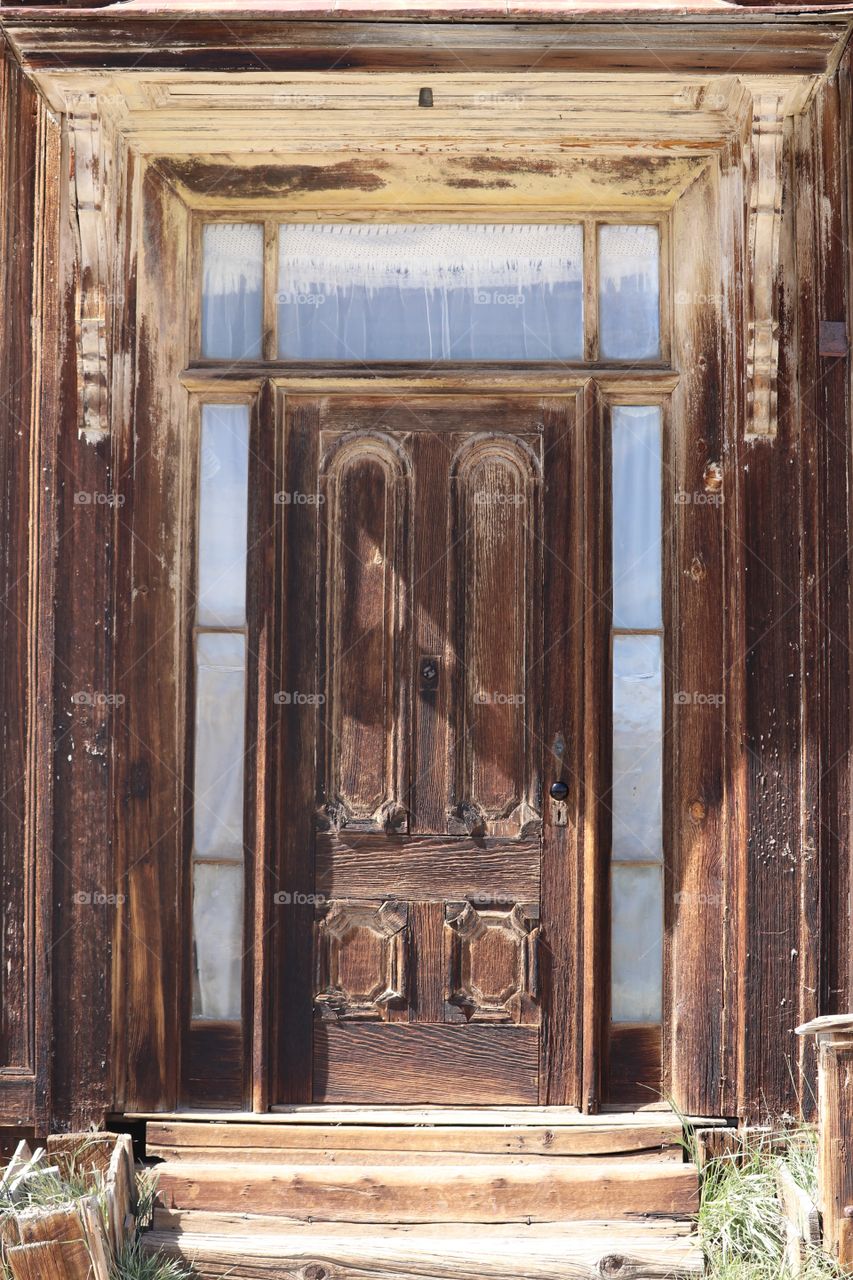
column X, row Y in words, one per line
column 232, row 292
column 629, row 292
column 438, row 292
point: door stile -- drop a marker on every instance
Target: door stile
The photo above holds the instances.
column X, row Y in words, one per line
column 263, row 772
column 593, row 538
column 564, row 612
column 298, row 723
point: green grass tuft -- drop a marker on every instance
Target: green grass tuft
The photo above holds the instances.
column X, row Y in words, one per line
column 740, row 1222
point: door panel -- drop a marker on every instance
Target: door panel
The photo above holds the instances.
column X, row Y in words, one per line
column 417, row 893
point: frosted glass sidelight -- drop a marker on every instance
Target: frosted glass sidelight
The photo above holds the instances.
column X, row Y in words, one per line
column 233, row 290
column 383, row 291
column 637, row 525
column 636, row 949
column 220, row 711
column 636, row 798
column 222, row 522
column 217, row 941
column 629, row 292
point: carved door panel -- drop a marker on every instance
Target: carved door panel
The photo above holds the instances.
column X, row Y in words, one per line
column 412, row 817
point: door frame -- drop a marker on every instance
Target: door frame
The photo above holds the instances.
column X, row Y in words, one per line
column 573, row 1065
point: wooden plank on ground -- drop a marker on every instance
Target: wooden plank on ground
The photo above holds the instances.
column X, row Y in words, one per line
column 802, row 1221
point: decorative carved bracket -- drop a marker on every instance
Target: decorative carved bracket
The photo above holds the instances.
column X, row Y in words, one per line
column 765, row 219
column 87, row 205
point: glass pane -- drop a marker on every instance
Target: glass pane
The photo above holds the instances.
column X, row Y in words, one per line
column 637, row 526
column 441, row 292
column 219, row 733
column 222, row 522
column 636, row 951
column 629, row 298
column 636, row 802
column 233, row 290
column 217, row 940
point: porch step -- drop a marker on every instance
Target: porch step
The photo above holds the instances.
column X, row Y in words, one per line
column 248, row 1247
column 657, row 1136
column 526, row 1189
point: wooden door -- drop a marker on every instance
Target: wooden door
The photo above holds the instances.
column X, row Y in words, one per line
column 415, row 963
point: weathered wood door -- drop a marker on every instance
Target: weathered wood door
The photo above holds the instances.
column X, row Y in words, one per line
column 424, row 946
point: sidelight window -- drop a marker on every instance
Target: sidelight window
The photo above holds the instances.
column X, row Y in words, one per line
column 636, row 799
column 220, row 712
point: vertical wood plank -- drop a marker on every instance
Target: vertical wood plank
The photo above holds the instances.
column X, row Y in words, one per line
column 562, row 950
column 695, row 487
column 151, row 657
column 298, row 729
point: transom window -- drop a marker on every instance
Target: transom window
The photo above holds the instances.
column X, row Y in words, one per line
column 580, row 292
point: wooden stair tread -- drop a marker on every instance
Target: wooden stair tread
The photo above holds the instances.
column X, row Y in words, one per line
column 167, row 1138
column 479, row 1116
column 572, row 1188
column 246, row 1247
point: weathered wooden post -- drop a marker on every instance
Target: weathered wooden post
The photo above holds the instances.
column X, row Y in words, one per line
column 835, row 1132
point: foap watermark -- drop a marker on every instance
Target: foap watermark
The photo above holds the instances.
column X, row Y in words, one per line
column 498, row 698
column 295, row 498
column 83, row 898
column 286, row 898
column 696, row 298
column 494, row 498
column 710, row 896
column 300, row 298
column 699, row 498
column 88, row 698
column 497, row 298
column 499, row 99
column 92, row 498
column 298, row 698
column 696, row 698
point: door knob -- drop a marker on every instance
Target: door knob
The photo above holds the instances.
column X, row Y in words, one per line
column 559, row 790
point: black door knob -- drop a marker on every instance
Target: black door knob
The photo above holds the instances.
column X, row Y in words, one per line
column 559, row 790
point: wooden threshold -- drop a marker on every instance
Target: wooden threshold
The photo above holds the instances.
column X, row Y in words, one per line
column 318, row 1113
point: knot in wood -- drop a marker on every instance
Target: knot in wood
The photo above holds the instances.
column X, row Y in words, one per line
column 315, row 1272
column 612, row 1264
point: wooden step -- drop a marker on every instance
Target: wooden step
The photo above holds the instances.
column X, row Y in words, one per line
column 171, row 1140
column 571, row 1189
column 248, row 1247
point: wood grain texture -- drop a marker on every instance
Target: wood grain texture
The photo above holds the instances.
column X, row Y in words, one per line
column 151, row 452
column 415, row 1063
column 397, row 1194
column 31, row 311
column 696, row 491
column 571, row 1251
column 152, row 41
column 300, row 666
column 521, row 1139
column 426, row 868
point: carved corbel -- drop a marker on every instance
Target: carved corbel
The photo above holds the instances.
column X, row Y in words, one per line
column 88, row 218
column 765, row 218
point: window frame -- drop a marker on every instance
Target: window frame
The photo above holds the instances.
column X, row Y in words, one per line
column 590, row 222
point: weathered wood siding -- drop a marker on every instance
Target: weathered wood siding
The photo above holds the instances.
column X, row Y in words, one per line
column 30, row 321
column 92, row 642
